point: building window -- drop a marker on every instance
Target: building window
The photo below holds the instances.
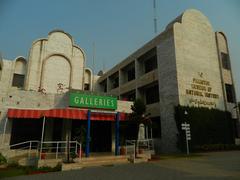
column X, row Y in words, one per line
column 156, row 127
column 114, row 80
column 86, row 87
column 131, row 74
column 18, row 80
column 225, row 61
column 150, row 64
column 229, row 93
column 130, row 96
column 103, row 85
column 152, row 94
column 148, row 61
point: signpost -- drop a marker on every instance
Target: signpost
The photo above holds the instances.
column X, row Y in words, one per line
column 186, row 128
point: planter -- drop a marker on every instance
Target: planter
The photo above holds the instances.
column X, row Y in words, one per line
column 140, row 151
column 38, row 172
column 80, row 153
column 122, row 150
column 43, row 155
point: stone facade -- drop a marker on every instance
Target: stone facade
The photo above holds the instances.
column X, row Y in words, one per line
column 187, row 64
column 55, row 60
column 189, row 72
column 34, row 83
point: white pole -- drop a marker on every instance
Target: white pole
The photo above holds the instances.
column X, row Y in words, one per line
column 4, row 130
column 80, row 152
column 29, row 150
column 187, row 142
column 57, row 151
column 43, row 127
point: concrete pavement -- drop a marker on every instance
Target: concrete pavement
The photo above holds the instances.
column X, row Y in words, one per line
column 209, row 166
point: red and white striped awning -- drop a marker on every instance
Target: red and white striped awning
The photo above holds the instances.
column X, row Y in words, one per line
column 68, row 113
column 24, row 113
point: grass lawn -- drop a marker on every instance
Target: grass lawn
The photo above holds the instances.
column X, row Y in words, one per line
column 17, row 170
column 11, row 171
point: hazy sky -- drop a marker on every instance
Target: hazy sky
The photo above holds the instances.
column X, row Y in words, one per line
column 117, row 27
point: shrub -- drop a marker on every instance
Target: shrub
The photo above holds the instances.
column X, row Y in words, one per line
column 13, row 164
column 216, row 147
column 3, row 160
column 210, row 128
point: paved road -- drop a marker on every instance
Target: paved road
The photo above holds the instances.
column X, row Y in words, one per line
column 210, row 166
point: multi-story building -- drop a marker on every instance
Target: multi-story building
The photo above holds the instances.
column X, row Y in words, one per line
column 187, row 64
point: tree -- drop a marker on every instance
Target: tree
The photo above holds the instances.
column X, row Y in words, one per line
column 138, row 110
column 137, row 117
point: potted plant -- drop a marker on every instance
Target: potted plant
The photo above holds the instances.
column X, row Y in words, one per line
column 122, row 150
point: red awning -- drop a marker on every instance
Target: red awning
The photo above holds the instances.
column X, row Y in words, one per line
column 77, row 114
column 25, row 113
column 66, row 113
column 102, row 117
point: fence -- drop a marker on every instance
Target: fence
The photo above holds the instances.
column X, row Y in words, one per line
column 46, row 150
column 59, row 149
column 135, row 147
column 130, row 149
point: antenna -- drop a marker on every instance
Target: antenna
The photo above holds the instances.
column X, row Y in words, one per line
column 93, row 65
column 93, row 58
column 155, row 16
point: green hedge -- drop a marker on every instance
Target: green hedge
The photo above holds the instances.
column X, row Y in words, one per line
column 217, row 147
column 3, row 160
column 208, row 126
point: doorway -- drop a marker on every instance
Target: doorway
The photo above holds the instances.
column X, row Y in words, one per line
column 101, row 136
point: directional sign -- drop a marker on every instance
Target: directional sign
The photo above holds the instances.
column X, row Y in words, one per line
column 186, row 128
column 185, row 125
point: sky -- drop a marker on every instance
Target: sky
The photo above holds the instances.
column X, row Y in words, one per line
column 116, row 28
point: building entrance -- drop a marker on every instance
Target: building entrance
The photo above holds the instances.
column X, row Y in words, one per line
column 101, row 135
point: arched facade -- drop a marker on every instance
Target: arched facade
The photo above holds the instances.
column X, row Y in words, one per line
column 88, row 79
column 55, row 63
column 56, row 74
column 19, row 73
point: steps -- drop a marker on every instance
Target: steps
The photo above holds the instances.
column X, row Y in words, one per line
column 96, row 161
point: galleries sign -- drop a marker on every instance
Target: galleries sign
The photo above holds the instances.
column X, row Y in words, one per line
column 92, row 101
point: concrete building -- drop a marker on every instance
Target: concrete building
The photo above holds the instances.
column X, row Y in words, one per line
column 44, row 84
column 187, row 64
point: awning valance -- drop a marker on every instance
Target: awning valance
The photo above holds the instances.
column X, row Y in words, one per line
column 68, row 113
column 24, row 113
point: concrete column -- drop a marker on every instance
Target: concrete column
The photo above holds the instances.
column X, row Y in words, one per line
column 117, row 133
column 113, row 136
